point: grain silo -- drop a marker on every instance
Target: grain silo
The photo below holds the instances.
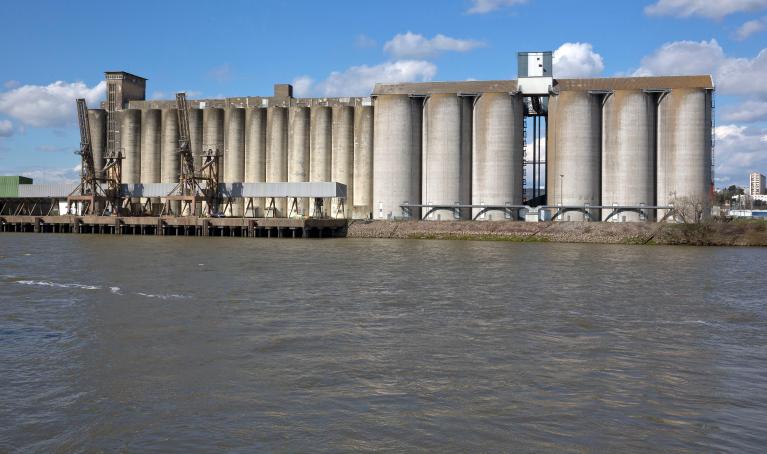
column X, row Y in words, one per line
column 397, row 156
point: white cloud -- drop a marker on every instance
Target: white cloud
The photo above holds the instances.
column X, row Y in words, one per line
column 486, row 6
column 747, row 111
column 10, row 84
column 743, row 76
column 683, row 58
column 577, row 60
column 714, row 9
column 733, row 76
column 53, row 175
column 302, row 86
column 49, row 105
column 413, row 45
column 359, row 80
column 728, row 132
column 739, row 150
column 6, row 128
column 751, row 27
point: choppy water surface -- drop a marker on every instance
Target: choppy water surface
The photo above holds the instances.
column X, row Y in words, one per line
column 191, row 344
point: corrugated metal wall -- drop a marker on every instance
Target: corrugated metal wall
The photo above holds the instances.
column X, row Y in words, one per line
column 9, row 185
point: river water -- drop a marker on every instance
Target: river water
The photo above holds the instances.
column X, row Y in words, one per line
column 146, row 344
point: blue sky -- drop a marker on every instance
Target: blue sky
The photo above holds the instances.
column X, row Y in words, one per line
column 53, row 51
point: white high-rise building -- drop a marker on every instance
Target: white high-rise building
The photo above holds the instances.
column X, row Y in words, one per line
column 756, row 186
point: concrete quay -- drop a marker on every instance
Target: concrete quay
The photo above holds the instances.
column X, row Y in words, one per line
column 178, row 226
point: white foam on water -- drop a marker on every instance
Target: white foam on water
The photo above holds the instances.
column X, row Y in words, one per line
column 162, row 297
column 113, row 290
column 59, row 285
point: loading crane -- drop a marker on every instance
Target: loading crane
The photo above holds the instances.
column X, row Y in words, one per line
column 90, row 194
column 193, row 187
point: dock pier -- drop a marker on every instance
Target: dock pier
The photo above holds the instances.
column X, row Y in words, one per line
column 178, row 226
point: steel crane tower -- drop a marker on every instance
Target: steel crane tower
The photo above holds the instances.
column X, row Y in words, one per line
column 193, row 187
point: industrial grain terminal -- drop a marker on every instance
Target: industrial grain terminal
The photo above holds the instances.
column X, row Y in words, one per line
column 535, row 148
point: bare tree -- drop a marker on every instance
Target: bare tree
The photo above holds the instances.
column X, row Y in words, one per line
column 689, row 209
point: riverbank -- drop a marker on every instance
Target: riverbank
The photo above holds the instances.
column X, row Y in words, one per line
column 736, row 233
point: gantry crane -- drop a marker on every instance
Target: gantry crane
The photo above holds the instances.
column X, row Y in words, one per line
column 193, row 187
column 94, row 197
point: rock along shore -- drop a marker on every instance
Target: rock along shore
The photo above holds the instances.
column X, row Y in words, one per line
column 736, row 233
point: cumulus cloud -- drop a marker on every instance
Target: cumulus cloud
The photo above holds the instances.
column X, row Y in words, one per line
column 6, row 128
column 486, row 6
column 743, row 76
column 413, row 45
column 577, row 60
column 733, row 76
column 739, row 150
column 359, row 80
column 714, row 9
column 683, row 58
column 52, row 174
column 49, row 105
column 750, row 28
column 746, row 112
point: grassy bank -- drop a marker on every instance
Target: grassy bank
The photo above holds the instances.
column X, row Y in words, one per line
column 736, row 233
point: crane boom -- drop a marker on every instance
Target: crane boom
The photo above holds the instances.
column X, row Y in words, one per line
column 184, row 137
column 88, row 168
column 195, row 185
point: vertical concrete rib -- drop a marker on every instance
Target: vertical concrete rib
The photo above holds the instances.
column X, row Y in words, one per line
column 684, row 150
column 255, row 154
column 320, row 151
column 363, row 162
column 277, row 153
column 396, row 156
column 628, row 153
column 574, row 150
column 234, row 153
column 342, row 160
column 98, row 125
column 130, row 138
column 298, row 154
column 497, row 153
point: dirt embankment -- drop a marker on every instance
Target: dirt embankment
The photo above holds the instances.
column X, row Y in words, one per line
column 710, row 234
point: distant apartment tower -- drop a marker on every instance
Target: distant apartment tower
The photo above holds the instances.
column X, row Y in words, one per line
column 757, row 183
